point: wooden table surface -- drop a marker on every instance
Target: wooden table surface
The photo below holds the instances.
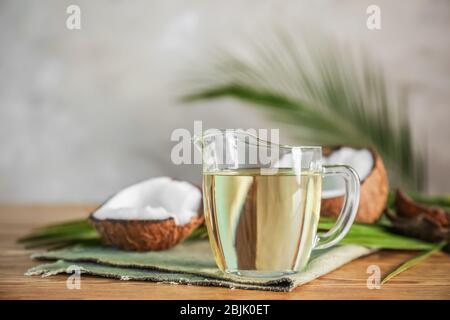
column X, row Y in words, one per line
column 428, row 280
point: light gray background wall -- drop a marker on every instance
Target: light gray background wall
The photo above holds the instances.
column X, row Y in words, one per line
column 84, row 113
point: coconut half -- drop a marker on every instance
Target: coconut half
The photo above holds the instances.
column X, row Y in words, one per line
column 155, row 214
column 374, row 183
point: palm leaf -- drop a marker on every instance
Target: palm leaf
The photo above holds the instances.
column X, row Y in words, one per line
column 76, row 232
column 325, row 94
column 59, row 235
column 368, row 235
column 412, row 262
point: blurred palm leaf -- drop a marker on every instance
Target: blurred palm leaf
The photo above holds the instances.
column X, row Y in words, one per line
column 60, row 235
column 327, row 95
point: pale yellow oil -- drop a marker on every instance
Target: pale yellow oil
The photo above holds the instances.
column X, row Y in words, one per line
column 262, row 222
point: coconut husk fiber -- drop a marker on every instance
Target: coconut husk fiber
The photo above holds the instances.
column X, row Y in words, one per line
column 188, row 263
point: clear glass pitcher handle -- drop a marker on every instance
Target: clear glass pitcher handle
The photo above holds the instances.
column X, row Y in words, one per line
column 349, row 209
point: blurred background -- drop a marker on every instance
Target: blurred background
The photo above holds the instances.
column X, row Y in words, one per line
column 86, row 112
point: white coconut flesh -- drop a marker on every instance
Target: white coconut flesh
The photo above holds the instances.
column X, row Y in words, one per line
column 359, row 159
column 154, row 199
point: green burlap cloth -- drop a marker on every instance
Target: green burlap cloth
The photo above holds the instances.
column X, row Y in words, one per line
column 188, row 263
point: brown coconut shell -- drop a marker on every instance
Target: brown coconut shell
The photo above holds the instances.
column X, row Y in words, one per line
column 144, row 235
column 406, row 207
column 429, row 223
column 373, row 194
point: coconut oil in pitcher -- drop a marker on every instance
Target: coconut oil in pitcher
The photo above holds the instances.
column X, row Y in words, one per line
column 262, row 222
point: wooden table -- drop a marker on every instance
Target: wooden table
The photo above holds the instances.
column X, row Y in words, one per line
column 428, row 280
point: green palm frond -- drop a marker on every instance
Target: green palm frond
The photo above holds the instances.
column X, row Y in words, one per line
column 325, row 94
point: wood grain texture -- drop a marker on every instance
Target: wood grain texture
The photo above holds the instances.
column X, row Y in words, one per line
column 428, row 280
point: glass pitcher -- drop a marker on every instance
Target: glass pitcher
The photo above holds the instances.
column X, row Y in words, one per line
column 262, row 202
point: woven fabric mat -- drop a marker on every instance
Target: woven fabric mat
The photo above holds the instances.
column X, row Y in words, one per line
column 188, row 263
